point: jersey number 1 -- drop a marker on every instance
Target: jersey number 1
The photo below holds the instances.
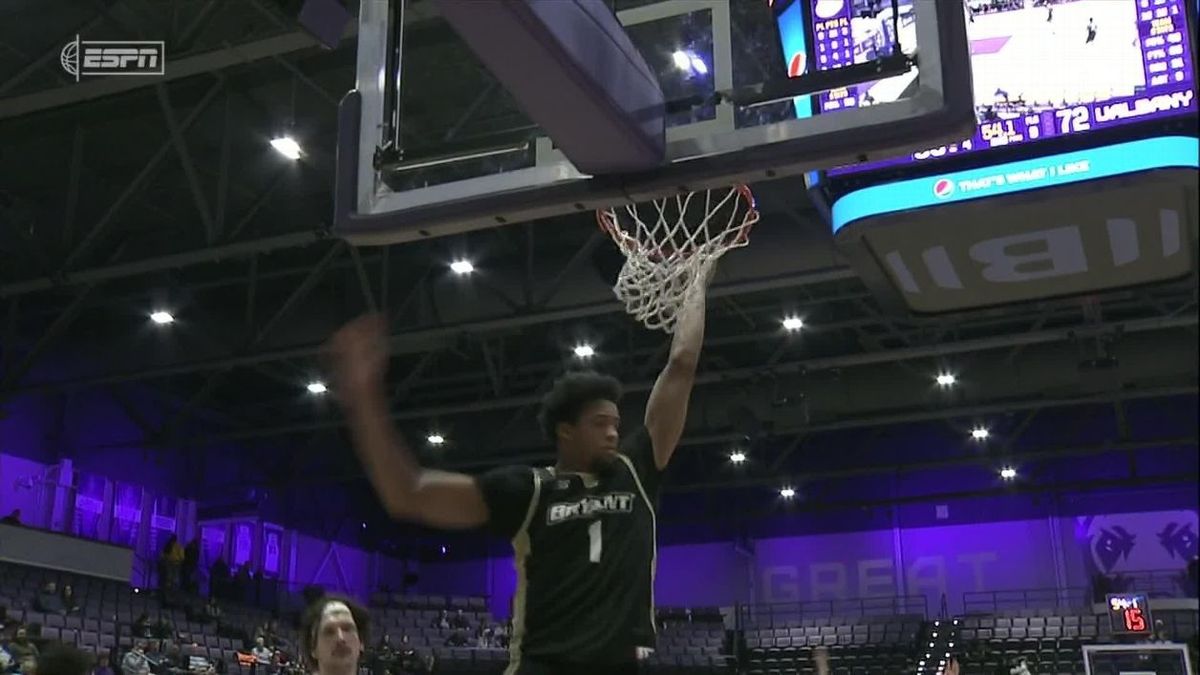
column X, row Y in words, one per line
column 596, row 543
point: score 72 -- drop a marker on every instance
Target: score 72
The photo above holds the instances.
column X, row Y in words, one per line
column 1074, row 119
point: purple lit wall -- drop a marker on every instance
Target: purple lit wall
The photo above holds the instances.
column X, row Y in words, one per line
column 931, row 561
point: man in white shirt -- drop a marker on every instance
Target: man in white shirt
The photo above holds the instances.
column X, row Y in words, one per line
column 135, row 662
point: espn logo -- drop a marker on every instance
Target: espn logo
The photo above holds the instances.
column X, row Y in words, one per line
column 87, row 58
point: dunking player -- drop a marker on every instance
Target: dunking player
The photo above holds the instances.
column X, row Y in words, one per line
column 583, row 530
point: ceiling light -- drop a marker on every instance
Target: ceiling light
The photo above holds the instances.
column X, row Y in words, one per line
column 435, row 439
column 462, row 267
column 946, row 379
column 585, row 351
column 317, row 388
column 787, row 493
column 793, row 323
column 682, row 60
column 979, row 433
column 1008, row 473
column 286, row 146
column 737, row 456
column 162, row 318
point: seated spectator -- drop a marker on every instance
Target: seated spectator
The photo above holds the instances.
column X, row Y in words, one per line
column 263, row 656
column 21, row 648
column 410, row 660
column 212, row 611
column 136, row 662
column 70, row 604
column 48, row 600
column 6, row 660
column 442, row 621
column 197, row 662
column 460, row 621
column 102, row 665
column 60, row 659
column 457, row 639
column 141, row 627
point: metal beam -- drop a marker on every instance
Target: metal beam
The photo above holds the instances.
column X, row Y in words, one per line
column 165, row 262
column 50, row 55
column 56, row 328
column 208, row 62
column 185, row 160
column 419, row 339
column 134, row 185
column 364, row 283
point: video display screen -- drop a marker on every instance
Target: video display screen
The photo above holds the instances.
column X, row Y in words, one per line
column 1042, row 68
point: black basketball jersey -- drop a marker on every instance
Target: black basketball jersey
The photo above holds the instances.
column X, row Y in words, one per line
column 584, row 550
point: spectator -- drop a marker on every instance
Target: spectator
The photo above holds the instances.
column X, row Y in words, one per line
column 212, row 612
column 457, row 639
column 262, row 657
column 141, row 627
column 21, row 648
column 197, row 662
column 191, row 561
column 136, row 662
column 6, row 660
column 70, row 604
column 170, row 564
column 460, row 621
column 13, row 518
column 48, row 600
column 442, row 621
column 410, row 661
column 102, row 665
column 218, row 579
column 61, row 659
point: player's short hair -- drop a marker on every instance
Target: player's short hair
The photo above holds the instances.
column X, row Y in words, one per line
column 571, row 393
column 310, row 623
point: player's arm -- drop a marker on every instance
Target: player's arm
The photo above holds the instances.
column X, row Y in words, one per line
column 407, row 491
column 666, row 411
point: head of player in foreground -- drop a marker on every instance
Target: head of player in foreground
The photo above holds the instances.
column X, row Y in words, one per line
column 579, row 416
column 333, row 632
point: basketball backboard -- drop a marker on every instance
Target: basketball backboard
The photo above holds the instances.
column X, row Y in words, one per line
column 698, row 49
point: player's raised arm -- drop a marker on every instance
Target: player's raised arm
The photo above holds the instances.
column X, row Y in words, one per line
column 666, row 410
column 407, row 491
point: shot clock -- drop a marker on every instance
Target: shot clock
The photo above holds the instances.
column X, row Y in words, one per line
column 1129, row 613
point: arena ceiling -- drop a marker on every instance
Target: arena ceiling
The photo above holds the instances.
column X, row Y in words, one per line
column 125, row 195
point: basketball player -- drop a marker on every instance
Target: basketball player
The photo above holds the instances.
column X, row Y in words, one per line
column 1091, row 31
column 583, row 530
column 333, row 632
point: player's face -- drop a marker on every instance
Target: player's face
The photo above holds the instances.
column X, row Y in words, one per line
column 338, row 646
column 595, row 435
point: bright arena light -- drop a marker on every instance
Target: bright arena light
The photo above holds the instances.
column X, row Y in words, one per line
column 435, row 439
column 1008, row 473
column 737, row 456
column 317, row 388
column 682, row 60
column 787, row 493
column 585, row 351
column 286, row 146
column 462, row 267
column 946, row 380
column 793, row 323
column 162, row 318
column 979, row 433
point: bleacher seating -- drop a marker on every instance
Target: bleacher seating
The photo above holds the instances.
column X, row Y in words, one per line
column 691, row 641
column 1049, row 641
column 862, row 646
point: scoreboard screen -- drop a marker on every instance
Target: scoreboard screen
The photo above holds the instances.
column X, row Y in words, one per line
column 1130, row 613
column 1041, row 68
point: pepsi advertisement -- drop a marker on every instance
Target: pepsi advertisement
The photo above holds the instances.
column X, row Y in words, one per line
column 1042, row 68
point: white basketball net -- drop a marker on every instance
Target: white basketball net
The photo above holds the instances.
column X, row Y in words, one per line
column 671, row 245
